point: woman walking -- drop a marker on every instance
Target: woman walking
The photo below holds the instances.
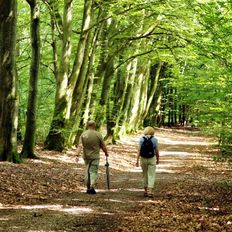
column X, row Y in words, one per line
column 148, row 153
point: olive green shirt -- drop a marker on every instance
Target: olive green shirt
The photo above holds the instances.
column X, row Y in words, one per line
column 91, row 141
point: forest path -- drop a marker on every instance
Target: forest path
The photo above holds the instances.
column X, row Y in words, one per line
column 192, row 192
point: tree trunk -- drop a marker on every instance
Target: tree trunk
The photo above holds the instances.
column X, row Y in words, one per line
column 78, row 96
column 55, row 139
column 153, row 87
column 139, row 99
column 128, row 101
column 86, row 77
column 108, row 72
column 115, row 103
column 81, row 48
column 154, row 115
column 54, row 47
column 67, row 83
column 29, row 138
column 8, row 83
column 99, row 75
column 120, row 98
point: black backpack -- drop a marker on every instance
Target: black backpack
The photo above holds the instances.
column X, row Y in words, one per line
column 147, row 148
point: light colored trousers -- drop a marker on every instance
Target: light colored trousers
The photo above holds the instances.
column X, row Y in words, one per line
column 149, row 168
column 91, row 172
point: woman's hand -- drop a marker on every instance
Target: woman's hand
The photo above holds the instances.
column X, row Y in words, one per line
column 137, row 163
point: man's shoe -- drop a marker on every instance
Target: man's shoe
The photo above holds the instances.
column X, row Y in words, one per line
column 91, row 190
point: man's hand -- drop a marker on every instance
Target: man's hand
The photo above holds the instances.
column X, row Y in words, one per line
column 106, row 154
column 157, row 161
column 137, row 163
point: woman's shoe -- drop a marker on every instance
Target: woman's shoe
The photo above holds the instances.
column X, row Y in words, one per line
column 150, row 193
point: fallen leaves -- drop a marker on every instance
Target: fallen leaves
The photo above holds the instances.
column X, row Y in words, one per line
column 192, row 193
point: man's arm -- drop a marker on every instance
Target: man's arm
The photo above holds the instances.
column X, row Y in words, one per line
column 103, row 147
column 79, row 148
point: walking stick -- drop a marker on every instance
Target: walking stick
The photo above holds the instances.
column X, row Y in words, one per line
column 107, row 173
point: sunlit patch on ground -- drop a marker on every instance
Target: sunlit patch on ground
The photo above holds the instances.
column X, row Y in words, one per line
column 4, row 218
column 44, row 231
column 164, row 170
column 176, row 153
column 62, row 158
column 58, row 208
column 168, row 141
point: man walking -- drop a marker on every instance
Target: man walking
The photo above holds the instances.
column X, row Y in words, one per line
column 91, row 141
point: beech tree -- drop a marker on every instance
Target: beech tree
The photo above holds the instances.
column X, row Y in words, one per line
column 29, row 138
column 8, row 82
column 67, row 80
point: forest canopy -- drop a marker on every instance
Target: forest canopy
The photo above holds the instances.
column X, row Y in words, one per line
column 125, row 64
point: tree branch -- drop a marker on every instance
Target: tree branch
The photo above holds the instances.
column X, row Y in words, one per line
column 133, row 57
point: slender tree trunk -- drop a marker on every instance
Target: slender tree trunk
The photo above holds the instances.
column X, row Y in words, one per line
column 139, row 99
column 128, row 102
column 8, row 83
column 111, row 112
column 120, row 98
column 154, row 116
column 153, row 87
column 175, row 108
column 108, row 73
column 101, row 112
column 54, row 47
column 29, row 138
column 143, row 98
column 114, row 104
column 99, row 75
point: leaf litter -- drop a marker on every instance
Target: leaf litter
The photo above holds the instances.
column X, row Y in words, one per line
column 192, row 192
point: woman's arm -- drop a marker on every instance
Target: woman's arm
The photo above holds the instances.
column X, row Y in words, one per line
column 138, row 155
column 157, row 156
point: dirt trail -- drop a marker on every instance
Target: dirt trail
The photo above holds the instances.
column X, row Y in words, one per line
column 192, row 192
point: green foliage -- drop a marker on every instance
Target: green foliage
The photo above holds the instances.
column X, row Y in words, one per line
column 204, row 79
column 192, row 37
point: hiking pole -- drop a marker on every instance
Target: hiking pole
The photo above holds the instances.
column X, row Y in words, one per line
column 107, row 173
